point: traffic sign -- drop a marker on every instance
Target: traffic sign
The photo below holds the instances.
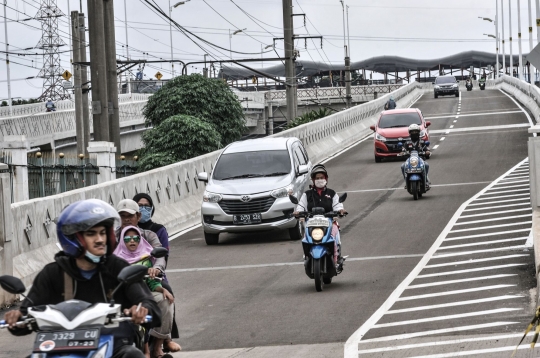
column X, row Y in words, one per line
column 66, row 75
column 67, row 85
column 158, row 75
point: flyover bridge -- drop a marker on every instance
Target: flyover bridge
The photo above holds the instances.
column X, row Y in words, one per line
column 450, row 275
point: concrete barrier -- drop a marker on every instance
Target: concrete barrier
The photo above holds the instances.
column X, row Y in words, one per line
column 175, row 189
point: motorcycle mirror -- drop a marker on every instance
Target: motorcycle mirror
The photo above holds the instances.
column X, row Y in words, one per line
column 293, row 199
column 427, row 142
column 132, row 274
column 12, row 284
column 343, row 197
column 400, row 144
column 159, row 252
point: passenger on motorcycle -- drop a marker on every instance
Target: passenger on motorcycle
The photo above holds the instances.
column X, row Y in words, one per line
column 416, row 144
column 319, row 195
column 87, row 271
column 133, row 248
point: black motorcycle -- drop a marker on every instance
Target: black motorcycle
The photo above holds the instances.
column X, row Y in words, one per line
column 468, row 85
column 482, row 85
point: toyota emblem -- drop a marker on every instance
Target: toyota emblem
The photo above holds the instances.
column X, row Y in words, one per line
column 400, row 139
column 245, row 198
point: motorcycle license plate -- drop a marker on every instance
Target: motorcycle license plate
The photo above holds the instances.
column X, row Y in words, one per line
column 246, row 219
column 84, row 339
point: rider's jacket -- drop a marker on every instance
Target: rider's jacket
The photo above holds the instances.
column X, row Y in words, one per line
column 327, row 199
column 419, row 146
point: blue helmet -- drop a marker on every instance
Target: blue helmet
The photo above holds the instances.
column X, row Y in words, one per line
column 82, row 216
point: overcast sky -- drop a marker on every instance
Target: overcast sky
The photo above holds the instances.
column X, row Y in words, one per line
column 422, row 29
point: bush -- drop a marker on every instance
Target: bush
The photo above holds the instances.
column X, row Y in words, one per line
column 175, row 139
column 210, row 100
column 309, row 117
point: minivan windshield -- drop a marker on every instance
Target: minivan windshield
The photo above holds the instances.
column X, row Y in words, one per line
column 444, row 80
column 266, row 163
column 396, row 120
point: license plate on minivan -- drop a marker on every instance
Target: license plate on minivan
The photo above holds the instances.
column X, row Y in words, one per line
column 246, row 219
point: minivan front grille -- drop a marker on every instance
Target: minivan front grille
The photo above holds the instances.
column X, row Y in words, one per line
column 392, row 144
column 258, row 205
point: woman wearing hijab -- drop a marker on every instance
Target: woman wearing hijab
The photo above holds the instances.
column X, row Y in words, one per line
column 133, row 248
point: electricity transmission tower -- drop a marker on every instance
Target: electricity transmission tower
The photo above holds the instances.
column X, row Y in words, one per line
column 50, row 42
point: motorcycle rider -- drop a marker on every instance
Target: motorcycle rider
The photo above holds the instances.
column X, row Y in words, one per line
column 87, row 270
column 319, row 195
column 49, row 105
column 391, row 104
column 416, row 144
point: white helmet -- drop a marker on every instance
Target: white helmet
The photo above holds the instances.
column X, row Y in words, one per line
column 414, row 127
column 49, row 99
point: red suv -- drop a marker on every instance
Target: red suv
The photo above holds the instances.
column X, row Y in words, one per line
column 392, row 128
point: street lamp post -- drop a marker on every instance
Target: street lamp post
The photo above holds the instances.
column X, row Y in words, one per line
column 520, row 61
column 510, row 38
column 347, row 60
column 503, row 47
column 7, row 62
column 531, row 68
column 170, row 30
column 496, row 39
column 230, row 39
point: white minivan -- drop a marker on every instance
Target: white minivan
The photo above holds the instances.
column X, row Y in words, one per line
column 249, row 187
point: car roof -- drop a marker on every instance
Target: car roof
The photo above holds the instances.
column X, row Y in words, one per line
column 401, row 110
column 253, row 145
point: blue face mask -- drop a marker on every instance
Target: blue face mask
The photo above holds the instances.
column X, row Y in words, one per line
column 146, row 213
column 95, row 259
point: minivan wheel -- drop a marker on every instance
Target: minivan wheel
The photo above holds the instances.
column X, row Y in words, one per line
column 436, row 95
column 211, row 239
column 297, row 233
column 378, row 159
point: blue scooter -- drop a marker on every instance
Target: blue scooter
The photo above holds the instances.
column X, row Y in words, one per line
column 415, row 171
column 318, row 244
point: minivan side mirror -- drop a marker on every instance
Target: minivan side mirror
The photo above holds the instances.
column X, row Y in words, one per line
column 372, row 128
column 303, row 169
column 203, row 176
column 428, row 123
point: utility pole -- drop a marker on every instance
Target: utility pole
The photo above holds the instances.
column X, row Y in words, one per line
column 170, row 33
column 503, row 47
column 511, row 54
column 290, row 77
column 98, row 69
column 112, row 75
column 497, row 39
column 520, row 58
column 7, row 62
column 127, row 47
column 348, row 97
column 532, row 70
column 84, row 84
column 77, row 90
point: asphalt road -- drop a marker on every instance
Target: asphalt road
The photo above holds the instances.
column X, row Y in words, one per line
column 225, row 302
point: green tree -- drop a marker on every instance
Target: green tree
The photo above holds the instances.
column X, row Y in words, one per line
column 4, row 104
column 208, row 99
column 309, row 117
column 175, row 139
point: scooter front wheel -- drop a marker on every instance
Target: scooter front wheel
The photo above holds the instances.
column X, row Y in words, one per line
column 317, row 273
column 414, row 189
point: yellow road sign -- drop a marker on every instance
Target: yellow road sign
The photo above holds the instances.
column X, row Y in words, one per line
column 66, row 75
column 158, row 75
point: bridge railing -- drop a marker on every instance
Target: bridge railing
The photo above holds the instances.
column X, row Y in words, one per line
column 333, row 92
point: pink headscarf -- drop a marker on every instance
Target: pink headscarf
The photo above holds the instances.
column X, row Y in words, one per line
column 143, row 250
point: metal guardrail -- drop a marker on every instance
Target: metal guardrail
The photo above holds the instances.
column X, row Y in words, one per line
column 334, row 92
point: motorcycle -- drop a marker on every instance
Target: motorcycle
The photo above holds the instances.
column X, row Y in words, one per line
column 72, row 329
column 318, row 244
column 468, row 85
column 482, row 85
column 415, row 173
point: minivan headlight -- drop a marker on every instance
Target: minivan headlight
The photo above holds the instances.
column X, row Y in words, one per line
column 211, row 197
column 436, row 86
column 380, row 137
column 282, row 192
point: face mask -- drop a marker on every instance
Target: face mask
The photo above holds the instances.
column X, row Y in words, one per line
column 95, row 259
column 320, row 183
column 146, row 213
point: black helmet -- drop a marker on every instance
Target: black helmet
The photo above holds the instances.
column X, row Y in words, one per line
column 319, row 168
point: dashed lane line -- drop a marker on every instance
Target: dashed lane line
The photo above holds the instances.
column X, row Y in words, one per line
column 476, row 269
column 455, row 292
column 475, row 114
column 451, row 282
column 468, row 262
column 447, row 317
column 481, row 243
column 401, row 188
column 454, row 304
column 483, row 128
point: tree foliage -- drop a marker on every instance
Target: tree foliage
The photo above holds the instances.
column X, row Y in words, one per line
column 175, row 139
column 309, row 117
column 207, row 99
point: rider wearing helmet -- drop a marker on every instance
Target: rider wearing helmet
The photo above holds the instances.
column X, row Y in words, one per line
column 416, row 144
column 87, row 270
column 50, row 106
column 319, row 195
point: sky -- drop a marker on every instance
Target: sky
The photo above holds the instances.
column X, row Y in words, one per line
column 420, row 29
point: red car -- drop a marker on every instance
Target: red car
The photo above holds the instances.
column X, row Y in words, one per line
column 392, row 128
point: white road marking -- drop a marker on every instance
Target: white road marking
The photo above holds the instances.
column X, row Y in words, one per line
column 515, row 181
column 506, row 186
column 441, row 343
column 502, row 191
column 484, row 128
column 483, row 243
column 443, row 138
column 456, row 292
column 447, row 132
column 451, row 126
column 491, row 227
column 471, row 261
column 509, row 248
column 526, row 177
column 486, row 235
column 351, row 346
column 435, row 331
column 451, row 282
column 475, row 114
column 454, row 304
column 443, row 318
column 401, row 188
column 454, row 121
column 348, row 148
column 503, row 201
column 495, row 213
column 435, row 147
column 520, row 107
column 473, row 352
column 493, row 219
column 178, row 234
column 502, row 196
column 476, row 269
